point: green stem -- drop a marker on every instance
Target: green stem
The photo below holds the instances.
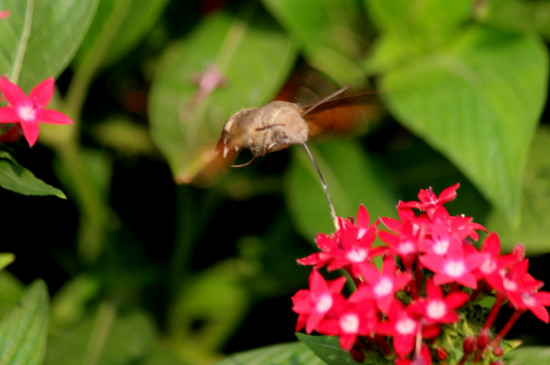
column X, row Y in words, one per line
column 106, row 314
column 18, row 62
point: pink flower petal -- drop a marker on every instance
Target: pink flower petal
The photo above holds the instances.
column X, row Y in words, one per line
column 8, row 115
column 30, row 130
column 52, row 117
column 42, row 93
column 12, row 92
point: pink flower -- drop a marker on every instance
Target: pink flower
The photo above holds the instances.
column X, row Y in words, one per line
column 382, row 286
column 456, row 266
column 402, row 326
column 429, row 202
column 438, row 309
column 348, row 321
column 4, row 14
column 29, row 111
column 314, row 304
column 536, row 303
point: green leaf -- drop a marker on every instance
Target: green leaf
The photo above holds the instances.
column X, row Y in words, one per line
column 352, row 179
column 16, row 178
column 478, row 103
column 23, row 331
column 6, row 259
column 518, row 15
column 411, row 28
column 40, row 37
column 284, row 354
column 117, row 27
column 327, row 348
column 532, row 227
column 106, row 339
column 330, row 33
column 529, row 355
column 11, row 292
column 253, row 56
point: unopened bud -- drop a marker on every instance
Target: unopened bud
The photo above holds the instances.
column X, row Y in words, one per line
column 441, row 353
column 498, row 351
column 519, row 252
column 469, row 345
column 483, row 338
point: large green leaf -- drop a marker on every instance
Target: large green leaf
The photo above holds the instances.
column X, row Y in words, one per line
column 254, row 57
column 40, row 37
column 529, row 355
column 532, row 229
column 410, row 28
column 108, row 339
column 16, row 178
column 23, row 331
column 478, row 103
column 352, row 179
column 328, row 349
column 117, row 26
column 329, row 32
column 285, row 354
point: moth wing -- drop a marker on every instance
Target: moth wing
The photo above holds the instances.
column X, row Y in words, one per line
column 344, row 115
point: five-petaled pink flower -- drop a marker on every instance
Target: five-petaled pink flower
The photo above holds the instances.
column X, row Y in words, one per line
column 29, row 111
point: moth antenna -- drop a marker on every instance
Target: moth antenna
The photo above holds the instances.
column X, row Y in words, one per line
column 327, row 98
column 325, row 188
column 246, row 163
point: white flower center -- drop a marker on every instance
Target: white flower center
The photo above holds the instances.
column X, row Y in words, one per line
column 324, row 303
column 436, row 309
column 357, row 255
column 441, row 246
column 405, row 326
column 361, row 233
column 528, row 299
column 26, row 113
column 349, row 323
column 383, row 287
column 406, row 248
column 455, row 268
column 488, row 266
column 509, row 284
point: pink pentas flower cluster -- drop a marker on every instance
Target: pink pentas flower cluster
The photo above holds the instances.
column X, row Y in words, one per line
column 28, row 112
column 417, row 287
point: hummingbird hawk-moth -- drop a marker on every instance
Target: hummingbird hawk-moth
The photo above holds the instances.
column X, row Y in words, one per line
column 281, row 123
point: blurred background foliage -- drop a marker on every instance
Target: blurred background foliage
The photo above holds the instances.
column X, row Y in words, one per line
column 141, row 270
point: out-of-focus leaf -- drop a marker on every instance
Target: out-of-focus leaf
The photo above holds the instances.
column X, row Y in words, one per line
column 217, row 299
column 6, row 259
column 518, row 15
column 285, row 354
column 11, row 292
column 69, row 304
column 23, row 331
column 253, row 57
column 532, row 228
column 330, row 33
column 478, row 103
column 40, row 37
column 125, row 136
column 328, row 349
column 352, row 179
column 120, row 25
column 18, row 179
column 106, row 339
column 528, row 355
column 411, row 28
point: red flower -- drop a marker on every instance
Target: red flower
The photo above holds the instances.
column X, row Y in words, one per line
column 4, row 14
column 493, row 264
column 314, row 304
column 438, row 309
column 429, row 202
column 28, row 112
column 382, row 285
column 402, row 326
column 354, row 318
column 536, row 303
column 456, row 266
column 349, row 247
